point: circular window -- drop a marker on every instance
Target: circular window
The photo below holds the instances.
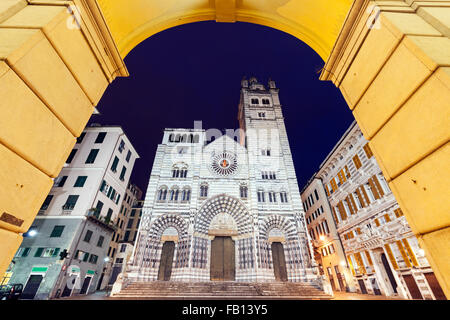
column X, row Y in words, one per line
column 224, row 164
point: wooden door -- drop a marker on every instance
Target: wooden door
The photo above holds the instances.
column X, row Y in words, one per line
column 279, row 262
column 165, row 265
column 412, row 287
column 222, row 265
column 435, row 287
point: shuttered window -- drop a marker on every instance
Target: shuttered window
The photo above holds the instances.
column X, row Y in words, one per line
column 368, row 257
column 367, row 150
column 403, row 253
column 341, row 176
column 362, row 268
column 391, row 256
column 378, row 185
column 398, row 212
column 377, row 222
column 357, row 162
column 410, row 252
column 387, row 218
column 351, row 265
column 374, row 189
column 342, row 210
column 360, row 197
column 333, row 184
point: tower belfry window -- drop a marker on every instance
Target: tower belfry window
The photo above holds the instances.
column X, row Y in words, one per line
column 255, row 101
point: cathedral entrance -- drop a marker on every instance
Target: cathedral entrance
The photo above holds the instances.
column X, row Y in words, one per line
column 279, row 261
column 165, row 266
column 222, row 267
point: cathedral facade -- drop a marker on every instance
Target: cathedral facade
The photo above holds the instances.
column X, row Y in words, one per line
column 225, row 207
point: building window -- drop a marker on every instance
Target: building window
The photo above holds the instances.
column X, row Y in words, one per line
column 356, row 161
column 127, row 159
column 203, row 191
column 87, row 236
column 114, row 164
column 122, row 173
column 123, row 247
column 98, row 208
column 59, row 181
column 316, row 194
column 255, row 101
column 50, row 252
column 130, row 223
column 261, row 196
column 71, row 155
column 133, row 211
column 283, row 196
column 266, row 101
column 80, row 181
column 22, row 252
column 92, row 155
column 100, row 241
column 367, row 150
column 100, row 137
column 243, row 190
column 70, row 202
column 57, row 231
column 121, row 146
column 261, row 114
column 162, row 195
column 93, row 259
column 186, row 196
column 265, row 152
column 47, row 202
column 272, row 197
column 81, row 137
column 126, row 236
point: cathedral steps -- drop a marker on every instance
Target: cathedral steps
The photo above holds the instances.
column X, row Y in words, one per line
column 220, row 290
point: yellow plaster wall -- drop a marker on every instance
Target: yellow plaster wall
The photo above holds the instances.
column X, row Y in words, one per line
column 316, row 22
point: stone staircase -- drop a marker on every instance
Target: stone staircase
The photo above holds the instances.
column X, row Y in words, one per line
column 220, row 290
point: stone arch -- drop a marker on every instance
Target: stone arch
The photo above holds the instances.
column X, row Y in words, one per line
column 142, row 19
column 277, row 222
column 165, row 221
column 219, row 204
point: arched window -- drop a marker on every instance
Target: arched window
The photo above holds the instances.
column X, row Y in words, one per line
column 272, row 197
column 173, row 194
column 255, row 101
column 177, row 138
column 186, row 195
column 261, row 196
column 243, row 190
column 171, row 137
column 266, row 101
column 162, row 194
column 191, row 138
column 183, row 138
column 196, row 138
column 283, row 196
column 203, row 191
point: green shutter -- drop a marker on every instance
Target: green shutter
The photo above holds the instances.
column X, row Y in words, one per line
column 39, row 252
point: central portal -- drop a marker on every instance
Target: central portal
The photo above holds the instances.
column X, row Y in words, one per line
column 222, row 259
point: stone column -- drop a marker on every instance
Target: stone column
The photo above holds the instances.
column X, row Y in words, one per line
column 392, row 65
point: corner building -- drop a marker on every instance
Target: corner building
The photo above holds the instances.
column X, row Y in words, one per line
column 225, row 207
column 382, row 252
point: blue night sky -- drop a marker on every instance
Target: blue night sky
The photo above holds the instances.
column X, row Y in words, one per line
column 193, row 72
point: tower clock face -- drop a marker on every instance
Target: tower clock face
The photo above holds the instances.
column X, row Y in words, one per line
column 224, row 164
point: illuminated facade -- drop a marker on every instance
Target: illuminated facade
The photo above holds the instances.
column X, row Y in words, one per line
column 382, row 252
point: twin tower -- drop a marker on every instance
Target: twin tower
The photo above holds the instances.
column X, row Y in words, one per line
column 225, row 209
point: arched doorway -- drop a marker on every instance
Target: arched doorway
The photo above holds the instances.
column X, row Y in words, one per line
column 223, row 253
column 409, row 64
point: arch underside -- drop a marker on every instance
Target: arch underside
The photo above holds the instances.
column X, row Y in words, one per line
column 315, row 22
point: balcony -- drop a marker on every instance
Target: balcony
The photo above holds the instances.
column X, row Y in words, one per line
column 67, row 209
column 93, row 214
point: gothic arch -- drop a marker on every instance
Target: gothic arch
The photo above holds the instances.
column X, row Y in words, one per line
column 276, row 221
column 223, row 203
column 165, row 221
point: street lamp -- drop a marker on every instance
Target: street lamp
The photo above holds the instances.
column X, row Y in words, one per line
column 32, row 233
